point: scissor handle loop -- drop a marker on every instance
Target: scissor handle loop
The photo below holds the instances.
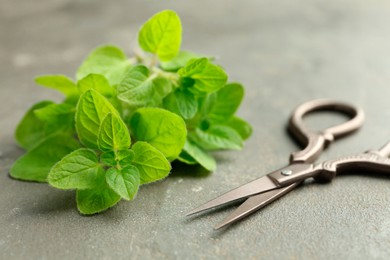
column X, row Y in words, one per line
column 315, row 142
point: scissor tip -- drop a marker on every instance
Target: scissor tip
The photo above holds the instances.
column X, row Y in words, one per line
column 189, row 213
column 192, row 212
column 218, row 227
column 221, row 225
column 197, row 210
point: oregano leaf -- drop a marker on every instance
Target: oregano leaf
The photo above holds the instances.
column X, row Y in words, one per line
column 200, row 155
column 139, row 88
column 95, row 200
column 201, row 76
column 57, row 118
column 164, row 130
column 124, row 181
column 186, row 158
column 36, row 163
column 78, row 170
column 108, row 60
column 60, row 83
column 179, row 61
column 92, row 108
column 161, row 35
column 151, row 163
column 242, row 127
column 113, row 134
column 31, row 130
column 218, row 137
column 224, row 103
column 182, row 102
column 97, row 82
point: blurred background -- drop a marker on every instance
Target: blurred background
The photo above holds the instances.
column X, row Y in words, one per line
column 284, row 53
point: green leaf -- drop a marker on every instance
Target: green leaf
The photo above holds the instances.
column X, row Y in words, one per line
column 179, row 61
column 36, row 164
column 57, row 118
column 164, row 130
column 95, row 200
column 161, row 35
column 108, row 158
column 58, row 82
column 139, row 88
column 109, row 61
column 54, row 112
column 204, row 76
column 124, row 182
column 97, row 82
column 111, row 158
column 218, row 137
column 182, row 102
column 78, row 170
column 125, row 157
column 42, row 120
column 30, row 131
column 117, row 104
column 200, row 155
column 150, row 162
column 222, row 104
column 186, row 158
column 243, row 128
column 113, row 134
column 92, row 108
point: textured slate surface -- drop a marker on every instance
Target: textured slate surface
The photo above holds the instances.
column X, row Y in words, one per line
column 284, row 52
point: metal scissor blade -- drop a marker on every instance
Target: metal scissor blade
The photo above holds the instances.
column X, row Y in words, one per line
column 255, row 203
column 260, row 185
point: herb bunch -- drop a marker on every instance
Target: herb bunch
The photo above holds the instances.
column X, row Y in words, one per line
column 124, row 119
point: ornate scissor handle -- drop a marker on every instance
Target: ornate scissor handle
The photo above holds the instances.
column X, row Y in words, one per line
column 315, row 142
column 374, row 161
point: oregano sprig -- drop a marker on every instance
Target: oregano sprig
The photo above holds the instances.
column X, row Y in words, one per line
column 124, row 119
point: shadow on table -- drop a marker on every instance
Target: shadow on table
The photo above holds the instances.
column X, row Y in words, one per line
column 181, row 170
column 45, row 203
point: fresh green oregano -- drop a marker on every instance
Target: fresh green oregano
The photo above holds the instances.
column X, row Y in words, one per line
column 123, row 120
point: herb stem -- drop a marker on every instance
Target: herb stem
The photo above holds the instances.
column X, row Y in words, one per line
column 173, row 77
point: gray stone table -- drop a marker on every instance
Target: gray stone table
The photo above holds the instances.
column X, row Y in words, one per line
column 284, row 52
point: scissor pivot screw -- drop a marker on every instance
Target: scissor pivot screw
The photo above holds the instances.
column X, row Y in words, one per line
column 286, row 172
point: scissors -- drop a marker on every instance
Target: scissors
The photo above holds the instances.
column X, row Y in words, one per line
column 264, row 190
